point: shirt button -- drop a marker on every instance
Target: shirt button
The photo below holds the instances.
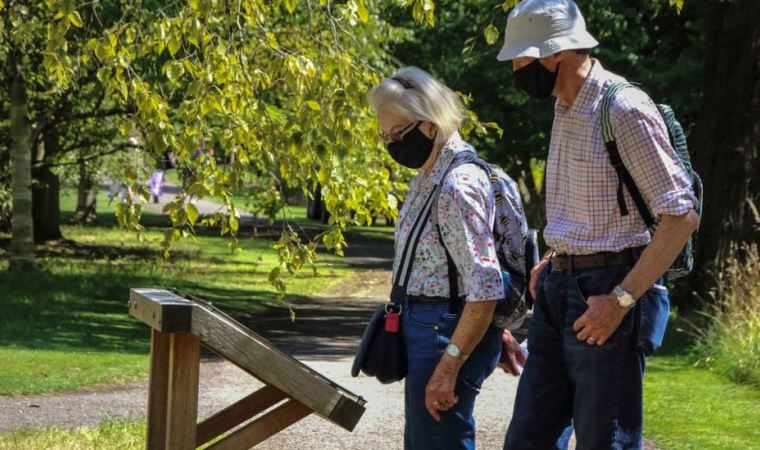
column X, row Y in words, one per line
column 435, row 328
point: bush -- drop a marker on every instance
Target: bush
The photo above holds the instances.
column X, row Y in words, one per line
column 731, row 343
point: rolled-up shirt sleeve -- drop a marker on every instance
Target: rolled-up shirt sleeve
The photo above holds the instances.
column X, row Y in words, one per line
column 466, row 214
column 645, row 149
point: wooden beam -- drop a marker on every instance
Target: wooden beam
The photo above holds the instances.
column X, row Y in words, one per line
column 182, row 413
column 261, row 359
column 238, row 413
column 158, row 390
column 264, row 427
column 162, row 310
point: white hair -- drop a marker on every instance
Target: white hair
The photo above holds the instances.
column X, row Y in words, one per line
column 414, row 94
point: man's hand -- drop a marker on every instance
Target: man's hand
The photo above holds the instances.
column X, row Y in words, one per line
column 600, row 320
column 535, row 272
column 512, row 356
column 439, row 392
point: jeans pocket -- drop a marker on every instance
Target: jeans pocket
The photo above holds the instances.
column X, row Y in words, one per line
column 422, row 317
column 655, row 309
column 447, row 323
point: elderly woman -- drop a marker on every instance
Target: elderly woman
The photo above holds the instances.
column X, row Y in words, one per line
column 449, row 354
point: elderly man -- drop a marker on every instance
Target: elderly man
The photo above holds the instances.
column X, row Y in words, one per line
column 600, row 301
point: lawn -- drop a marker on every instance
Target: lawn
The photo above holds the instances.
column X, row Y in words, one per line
column 690, row 407
column 66, row 326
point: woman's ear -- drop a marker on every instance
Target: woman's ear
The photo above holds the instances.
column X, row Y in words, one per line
column 429, row 129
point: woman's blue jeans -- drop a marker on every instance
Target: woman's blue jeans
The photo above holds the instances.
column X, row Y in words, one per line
column 427, row 329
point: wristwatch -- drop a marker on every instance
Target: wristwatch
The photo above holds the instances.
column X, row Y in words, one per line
column 454, row 351
column 624, row 298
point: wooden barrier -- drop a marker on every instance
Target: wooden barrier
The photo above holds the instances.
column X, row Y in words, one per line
column 292, row 390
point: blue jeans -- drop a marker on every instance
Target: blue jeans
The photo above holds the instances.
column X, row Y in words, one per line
column 597, row 389
column 427, row 330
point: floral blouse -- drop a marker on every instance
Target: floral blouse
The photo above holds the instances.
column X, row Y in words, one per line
column 466, row 211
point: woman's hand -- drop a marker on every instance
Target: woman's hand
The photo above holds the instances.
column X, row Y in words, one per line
column 439, row 393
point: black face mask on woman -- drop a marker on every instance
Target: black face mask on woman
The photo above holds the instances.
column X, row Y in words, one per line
column 536, row 80
column 413, row 149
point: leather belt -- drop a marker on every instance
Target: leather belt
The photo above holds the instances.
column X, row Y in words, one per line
column 426, row 299
column 569, row 263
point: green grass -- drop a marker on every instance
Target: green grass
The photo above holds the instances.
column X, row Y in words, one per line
column 693, row 408
column 111, row 435
column 731, row 344
column 66, row 326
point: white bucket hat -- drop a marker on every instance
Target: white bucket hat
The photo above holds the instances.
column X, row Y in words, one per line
column 540, row 28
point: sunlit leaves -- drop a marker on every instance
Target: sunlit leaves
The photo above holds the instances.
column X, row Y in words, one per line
column 491, row 34
column 677, row 3
column 509, row 4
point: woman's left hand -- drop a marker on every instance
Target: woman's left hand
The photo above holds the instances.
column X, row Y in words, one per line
column 439, row 393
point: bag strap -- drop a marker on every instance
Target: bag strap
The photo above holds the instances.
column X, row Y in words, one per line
column 464, row 157
column 404, row 271
column 610, row 144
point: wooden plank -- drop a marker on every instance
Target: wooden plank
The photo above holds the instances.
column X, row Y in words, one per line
column 264, row 427
column 260, row 358
column 347, row 413
column 182, row 413
column 238, row 413
column 162, row 310
column 158, row 390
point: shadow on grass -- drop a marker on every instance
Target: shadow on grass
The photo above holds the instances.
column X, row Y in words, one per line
column 88, row 311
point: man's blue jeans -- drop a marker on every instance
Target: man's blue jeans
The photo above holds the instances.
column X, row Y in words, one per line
column 597, row 389
column 427, row 330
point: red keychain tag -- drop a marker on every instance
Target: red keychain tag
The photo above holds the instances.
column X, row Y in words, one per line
column 391, row 322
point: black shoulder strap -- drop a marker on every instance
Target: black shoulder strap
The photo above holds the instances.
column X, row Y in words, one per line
column 610, row 144
column 460, row 158
column 404, row 270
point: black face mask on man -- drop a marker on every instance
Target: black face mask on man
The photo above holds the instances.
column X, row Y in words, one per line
column 413, row 149
column 536, row 80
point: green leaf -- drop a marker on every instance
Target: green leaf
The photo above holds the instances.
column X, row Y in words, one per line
column 192, row 213
column 491, row 33
column 290, row 5
column 174, row 70
column 314, row 106
column 234, row 223
column 361, row 10
column 678, row 4
column 75, row 19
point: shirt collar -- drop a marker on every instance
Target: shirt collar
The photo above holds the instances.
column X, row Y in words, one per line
column 453, row 145
column 590, row 92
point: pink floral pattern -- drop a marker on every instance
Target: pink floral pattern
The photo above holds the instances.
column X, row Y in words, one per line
column 466, row 211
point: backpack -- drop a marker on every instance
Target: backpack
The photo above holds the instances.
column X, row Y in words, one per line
column 684, row 263
column 516, row 245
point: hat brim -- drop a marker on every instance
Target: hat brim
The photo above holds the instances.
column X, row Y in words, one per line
column 543, row 49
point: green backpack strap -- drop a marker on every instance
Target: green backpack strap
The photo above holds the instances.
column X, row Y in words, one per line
column 610, row 144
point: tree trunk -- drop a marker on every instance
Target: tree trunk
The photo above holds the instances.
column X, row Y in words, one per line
column 727, row 135
column 45, row 194
column 87, row 191
column 22, row 239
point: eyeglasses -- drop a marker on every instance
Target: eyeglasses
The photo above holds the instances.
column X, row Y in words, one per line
column 398, row 135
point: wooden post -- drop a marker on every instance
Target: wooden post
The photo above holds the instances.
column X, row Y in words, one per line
column 158, row 390
column 182, row 411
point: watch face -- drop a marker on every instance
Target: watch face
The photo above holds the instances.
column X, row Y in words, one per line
column 453, row 350
column 624, row 298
